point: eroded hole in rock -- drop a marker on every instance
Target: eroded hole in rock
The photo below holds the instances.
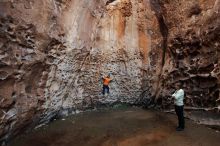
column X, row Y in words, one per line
column 109, row 1
column 3, row 75
column 55, row 53
column 194, row 10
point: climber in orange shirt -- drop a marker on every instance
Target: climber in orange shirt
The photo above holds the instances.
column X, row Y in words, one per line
column 106, row 81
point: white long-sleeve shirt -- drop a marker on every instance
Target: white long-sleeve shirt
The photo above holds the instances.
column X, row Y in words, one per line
column 178, row 96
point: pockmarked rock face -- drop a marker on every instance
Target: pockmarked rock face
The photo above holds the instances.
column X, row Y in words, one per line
column 54, row 53
column 192, row 55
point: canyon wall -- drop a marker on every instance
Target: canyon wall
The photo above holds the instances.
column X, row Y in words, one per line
column 53, row 54
column 192, row 51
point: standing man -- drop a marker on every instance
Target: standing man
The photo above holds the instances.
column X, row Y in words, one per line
column 178, row 101
column 106, row 81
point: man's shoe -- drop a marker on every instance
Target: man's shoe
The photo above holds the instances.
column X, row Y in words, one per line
column 179, row 129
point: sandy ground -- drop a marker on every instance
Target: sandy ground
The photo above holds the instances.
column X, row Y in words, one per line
column 127, row 127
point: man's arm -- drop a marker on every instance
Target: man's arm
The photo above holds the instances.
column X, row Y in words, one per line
column 174, row 94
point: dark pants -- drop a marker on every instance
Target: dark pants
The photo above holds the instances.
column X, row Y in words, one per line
column 180, row 115
column 105, row 87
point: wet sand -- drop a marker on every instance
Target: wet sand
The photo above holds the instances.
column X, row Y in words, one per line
column 127, row 127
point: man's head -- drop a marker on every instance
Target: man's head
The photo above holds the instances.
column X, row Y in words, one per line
column 178, row 85
column 108, row 76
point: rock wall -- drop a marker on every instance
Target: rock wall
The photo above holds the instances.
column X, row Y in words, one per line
column 192, row 52
column 53, row 54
